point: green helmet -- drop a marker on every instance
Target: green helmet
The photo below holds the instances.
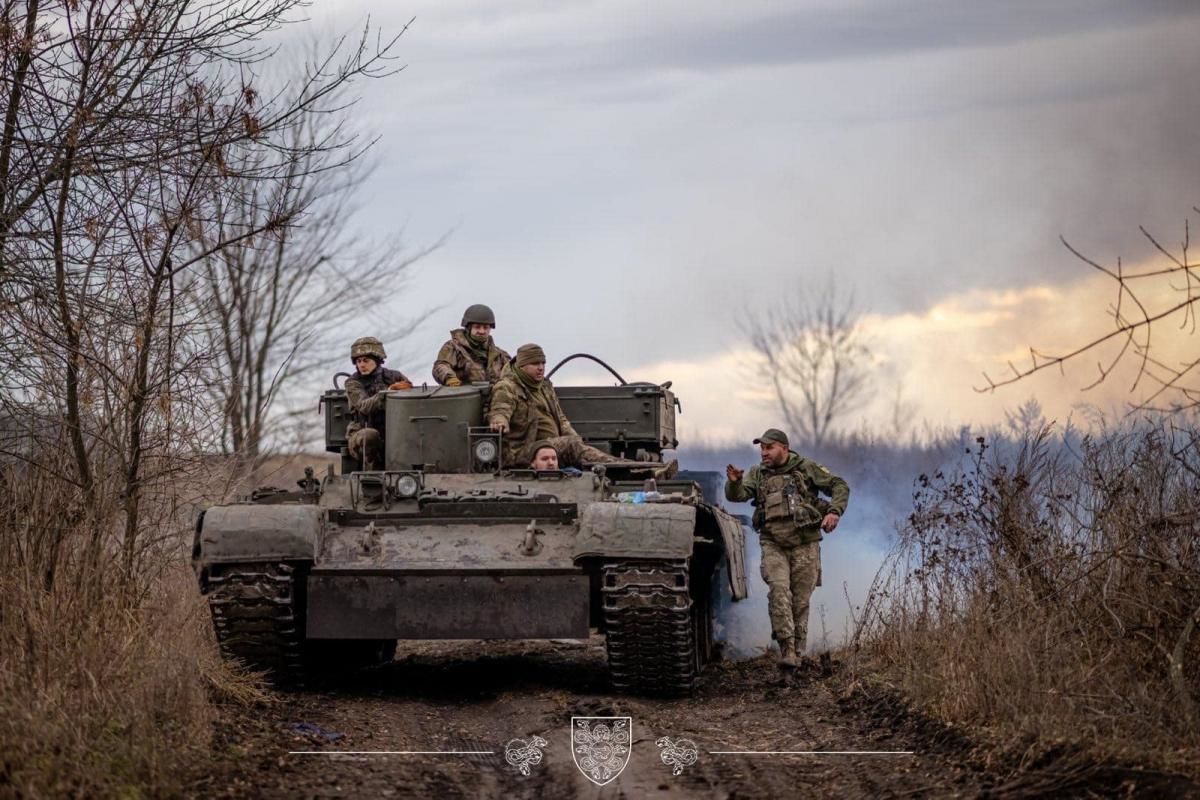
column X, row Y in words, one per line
column 367, row 346
column 478, row 314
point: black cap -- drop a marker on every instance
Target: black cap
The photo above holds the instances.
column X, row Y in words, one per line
column 772, row 435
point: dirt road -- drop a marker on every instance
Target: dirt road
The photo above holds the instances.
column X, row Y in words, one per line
column 468, row 697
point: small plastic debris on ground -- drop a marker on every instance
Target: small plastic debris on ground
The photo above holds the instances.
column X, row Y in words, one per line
column 309, row 729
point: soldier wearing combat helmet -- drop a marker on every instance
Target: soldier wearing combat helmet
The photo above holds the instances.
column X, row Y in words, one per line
column 789, row 515
column 470, row 356
column 365, row 395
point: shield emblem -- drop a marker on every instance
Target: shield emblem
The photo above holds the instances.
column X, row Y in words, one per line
column 600, row 746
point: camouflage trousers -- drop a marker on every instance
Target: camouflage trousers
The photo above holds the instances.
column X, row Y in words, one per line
column 791, row 573
column 366, row 445
column 572, row 452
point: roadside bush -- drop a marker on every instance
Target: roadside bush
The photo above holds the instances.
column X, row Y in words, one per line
column 1049, row 588
column 103, row 682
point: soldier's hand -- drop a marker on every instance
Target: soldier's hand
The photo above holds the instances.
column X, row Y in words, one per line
column 401, row 385
column 453, row 381
column 733, row 473
column 499, row 426
column 830, row 522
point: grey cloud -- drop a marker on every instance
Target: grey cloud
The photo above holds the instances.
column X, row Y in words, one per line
column 696, row 38
column 901, row 27
column 637, row 165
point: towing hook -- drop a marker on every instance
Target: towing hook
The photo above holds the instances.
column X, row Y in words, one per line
column 370, row 540
column 531, row 546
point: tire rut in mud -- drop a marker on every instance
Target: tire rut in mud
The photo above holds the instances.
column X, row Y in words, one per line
column 473, row 696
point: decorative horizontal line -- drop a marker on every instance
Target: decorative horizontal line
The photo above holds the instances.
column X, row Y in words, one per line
column 811, row 752
column 391, row 752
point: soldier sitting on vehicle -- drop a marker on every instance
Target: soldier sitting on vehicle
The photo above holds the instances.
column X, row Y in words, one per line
column 365, row 396
column 525, row 408
column 470, row 356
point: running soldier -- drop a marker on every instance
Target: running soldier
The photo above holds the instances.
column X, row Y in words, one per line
column 789, row 516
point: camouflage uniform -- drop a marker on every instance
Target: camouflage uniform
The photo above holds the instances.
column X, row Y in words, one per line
column 533, row 413
column 789, row 530
column 365, row 394
column 469, row 361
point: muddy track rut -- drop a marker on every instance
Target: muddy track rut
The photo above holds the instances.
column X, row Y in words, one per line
column 472, row 696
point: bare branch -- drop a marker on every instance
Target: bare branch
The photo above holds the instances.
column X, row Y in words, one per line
column 815, row 356
column 1137, row 331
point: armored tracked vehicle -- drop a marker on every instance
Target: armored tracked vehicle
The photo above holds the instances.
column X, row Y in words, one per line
column 448, row 543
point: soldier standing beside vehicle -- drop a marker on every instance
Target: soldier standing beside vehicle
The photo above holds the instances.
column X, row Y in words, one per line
column 470, row 355
column 365, row 396
column 789, row 516
column 525, row 408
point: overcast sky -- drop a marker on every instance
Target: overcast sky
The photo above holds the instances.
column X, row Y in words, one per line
column 627, row 178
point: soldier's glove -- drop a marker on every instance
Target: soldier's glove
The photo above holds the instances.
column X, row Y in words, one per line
column 401, row 385
column 500, row 426
column 453, row 381
column 732, row 473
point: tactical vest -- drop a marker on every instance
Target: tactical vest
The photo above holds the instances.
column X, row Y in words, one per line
column 373, row 384
column 788, row 508
column 476, row 372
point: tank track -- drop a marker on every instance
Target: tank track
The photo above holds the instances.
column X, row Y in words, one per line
column 650, row 627
column 256, row 616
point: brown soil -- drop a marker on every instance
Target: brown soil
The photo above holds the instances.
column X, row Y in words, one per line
column 475, row 696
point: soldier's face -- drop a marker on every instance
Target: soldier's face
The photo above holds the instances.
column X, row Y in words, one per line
column 365, row 365
column 479, row 331
column 546, row 458
column 774, row 454
column 536, row 371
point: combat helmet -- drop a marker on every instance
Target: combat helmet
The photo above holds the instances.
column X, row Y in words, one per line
column 368, row 346
column 478, row 314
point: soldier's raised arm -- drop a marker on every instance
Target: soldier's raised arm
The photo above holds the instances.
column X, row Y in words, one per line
column 744, row 488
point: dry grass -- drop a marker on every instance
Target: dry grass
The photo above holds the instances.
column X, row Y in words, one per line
column 1049, row 592
column 107, row 680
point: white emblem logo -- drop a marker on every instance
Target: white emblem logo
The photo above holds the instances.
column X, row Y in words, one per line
column 523, row 755
column 600, row 746
column 677, row 753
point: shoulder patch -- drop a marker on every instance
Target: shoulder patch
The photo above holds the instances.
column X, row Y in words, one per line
column 823, row 468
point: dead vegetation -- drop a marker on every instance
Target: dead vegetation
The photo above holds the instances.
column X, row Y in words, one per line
column 123, row 120
column 1047, row 591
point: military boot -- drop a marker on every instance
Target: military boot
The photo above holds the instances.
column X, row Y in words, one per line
column 787, row 654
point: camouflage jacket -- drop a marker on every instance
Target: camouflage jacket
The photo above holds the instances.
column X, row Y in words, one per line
column 531, row 411
column 792, row 516
column 365, row 396
column 458, row 358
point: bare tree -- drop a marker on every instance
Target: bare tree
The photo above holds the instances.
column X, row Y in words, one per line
column 1139, row 328
column 281, row 301
column 815, row 354
column 122, row 120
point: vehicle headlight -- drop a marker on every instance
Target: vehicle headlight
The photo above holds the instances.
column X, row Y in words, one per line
column 407, row 486
column 485, row 451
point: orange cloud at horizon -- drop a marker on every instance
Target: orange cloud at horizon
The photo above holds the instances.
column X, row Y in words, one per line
column 938, row 358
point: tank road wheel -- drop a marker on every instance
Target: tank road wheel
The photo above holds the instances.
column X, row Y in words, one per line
column 656, row 633
column 258, row 615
